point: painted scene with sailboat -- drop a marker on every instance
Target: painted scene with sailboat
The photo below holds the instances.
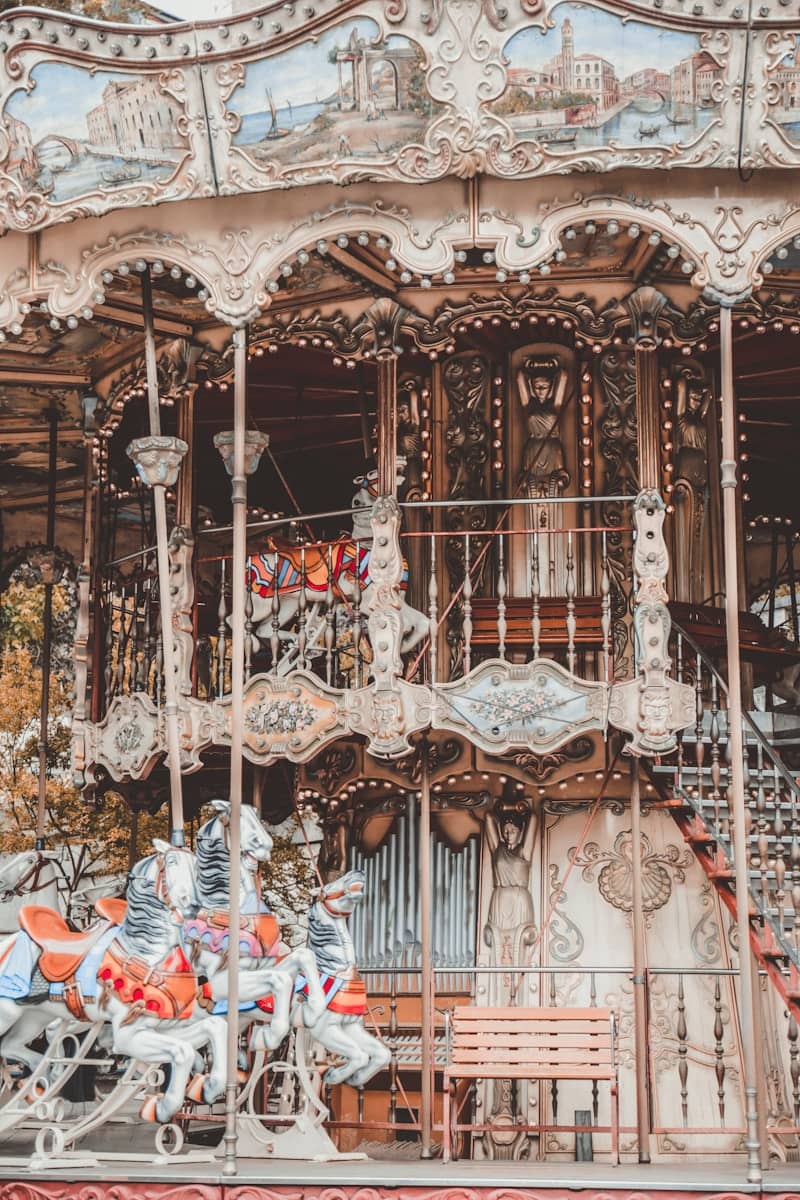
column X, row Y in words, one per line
column 351, row 93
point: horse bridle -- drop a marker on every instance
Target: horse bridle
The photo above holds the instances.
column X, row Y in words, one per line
column 33, row 872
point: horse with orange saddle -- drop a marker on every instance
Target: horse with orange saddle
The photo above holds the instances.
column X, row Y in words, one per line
column 129, row 971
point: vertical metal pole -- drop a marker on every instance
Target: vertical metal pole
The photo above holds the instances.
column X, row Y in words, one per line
column 47, row 636
column 736, row 789
column 164, row 592
column 639, row 974
column 387, row 423
column 239, row 497
column 426, row 973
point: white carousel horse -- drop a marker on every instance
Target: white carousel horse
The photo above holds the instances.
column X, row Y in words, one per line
column 134, row 975
column 24, row 878
column 268, row 970
column 337, row 572
column 341, row 1027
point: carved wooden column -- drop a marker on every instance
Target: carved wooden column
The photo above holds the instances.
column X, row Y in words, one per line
column 643, row 306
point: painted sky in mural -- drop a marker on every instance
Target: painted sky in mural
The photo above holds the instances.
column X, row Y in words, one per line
column 595, row 79
column 75, row 132
column 350, row 94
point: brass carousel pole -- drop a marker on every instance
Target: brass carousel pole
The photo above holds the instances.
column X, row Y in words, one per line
column 241, row 453
column 158, row 461
column 639, row 972
column 736, row 798
column 426, row 970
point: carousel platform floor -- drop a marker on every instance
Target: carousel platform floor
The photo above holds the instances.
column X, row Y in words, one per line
column 116, row 1175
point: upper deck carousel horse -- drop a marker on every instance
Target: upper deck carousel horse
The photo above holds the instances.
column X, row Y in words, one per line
column 268, row 969
column 129, row 970
column 340, row 1028
column 325, row 573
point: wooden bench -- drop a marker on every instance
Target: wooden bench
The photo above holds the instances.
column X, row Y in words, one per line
column 529, row 1043
column 552, row 621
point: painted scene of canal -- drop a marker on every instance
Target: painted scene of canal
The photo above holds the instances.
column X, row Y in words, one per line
column 77, row 132
column 350, row 94
column 785, row 112
column 594, row 80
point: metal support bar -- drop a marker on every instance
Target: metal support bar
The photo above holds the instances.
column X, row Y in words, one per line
column 387, row 423
column 47, row 633
column 639, row 974
column 736, row 798
column 164, row 592
column 426, row 965
column 239, row 498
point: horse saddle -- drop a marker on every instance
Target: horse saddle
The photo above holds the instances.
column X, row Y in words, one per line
column 63, row 950
column 316, row 561
column 111, row 909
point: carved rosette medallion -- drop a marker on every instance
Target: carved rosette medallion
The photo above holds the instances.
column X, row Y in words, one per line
column 127, row 742
column 291, row 717
column 538, row 706
column 157, row 459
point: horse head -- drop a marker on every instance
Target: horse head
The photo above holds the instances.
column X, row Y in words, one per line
column 366, row 496
column 169, row 876
column 255, row 842
column 341, row 896
column 22, row 874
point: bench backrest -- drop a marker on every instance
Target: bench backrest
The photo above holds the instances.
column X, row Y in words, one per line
column 588, row 614
column 533, row 1037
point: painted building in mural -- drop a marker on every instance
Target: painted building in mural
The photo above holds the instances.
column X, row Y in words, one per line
column 484, row 648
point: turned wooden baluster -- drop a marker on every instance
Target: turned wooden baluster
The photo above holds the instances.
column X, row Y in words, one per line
column 554, row 1082
column 467, row 608
column 358, row 626
column 725, row 822
column 329, row 616
column 501, row 597
column 595, row 1084
column 433, row 608
column 679, row 735
column 108, row 647
column 536, row 624
column 150, row 639
column 760, row 846
column 699, row 744
column 222, row 628
column 393, row 1071
column 572, row 624
column 794, row 859
column 779, row 829
column 248, row 624
column 301, row 611
column 605, row 606
column 794, row 1065
column 275, row 613
column 719, row 1060
column 683, row 1051
column 119, row 685
column 713, row 732
column 159, row 684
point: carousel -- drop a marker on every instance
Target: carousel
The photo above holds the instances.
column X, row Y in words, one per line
column 449, row 528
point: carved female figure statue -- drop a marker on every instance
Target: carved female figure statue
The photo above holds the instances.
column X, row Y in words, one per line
column 542, row 385
column 511, row 837
column 691, row 481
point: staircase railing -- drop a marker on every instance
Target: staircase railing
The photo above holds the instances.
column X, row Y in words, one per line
column 772, row 797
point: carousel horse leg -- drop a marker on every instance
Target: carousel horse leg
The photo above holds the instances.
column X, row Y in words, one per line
column 282, row 989
column 331, row 1033
column 316, row 1001
column 211, row 1032
column 29, row 1024
column 379, row 1054
column 141, row 1040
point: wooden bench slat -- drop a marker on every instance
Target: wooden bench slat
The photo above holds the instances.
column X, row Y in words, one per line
column 514, row 1071
column 509, row 1014
column 565, row 1029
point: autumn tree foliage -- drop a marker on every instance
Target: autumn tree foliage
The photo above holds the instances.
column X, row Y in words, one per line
column 92, row 839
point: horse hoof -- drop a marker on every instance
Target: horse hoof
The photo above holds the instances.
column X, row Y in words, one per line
column 242, row 1076
column 148, row 1111
column 195, row 1089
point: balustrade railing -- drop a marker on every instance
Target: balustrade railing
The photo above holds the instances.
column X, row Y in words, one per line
column 701, row 776
column 129, row 631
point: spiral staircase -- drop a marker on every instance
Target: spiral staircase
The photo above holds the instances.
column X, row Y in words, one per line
column 693, row 786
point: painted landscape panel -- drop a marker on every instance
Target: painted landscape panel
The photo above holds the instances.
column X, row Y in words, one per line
column 596, row 80
column 76, row 132
column 786, row 110
column 351, row 94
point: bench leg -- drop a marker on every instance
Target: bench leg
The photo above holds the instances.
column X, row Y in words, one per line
column 615, row 1122
column 446, row 1120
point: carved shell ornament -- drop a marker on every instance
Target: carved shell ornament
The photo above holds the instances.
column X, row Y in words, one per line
column 615, row 877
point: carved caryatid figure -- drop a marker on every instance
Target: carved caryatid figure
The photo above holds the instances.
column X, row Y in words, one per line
column 691, row 482
column 511, row 837
column 542, row 384
column 409, row 437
